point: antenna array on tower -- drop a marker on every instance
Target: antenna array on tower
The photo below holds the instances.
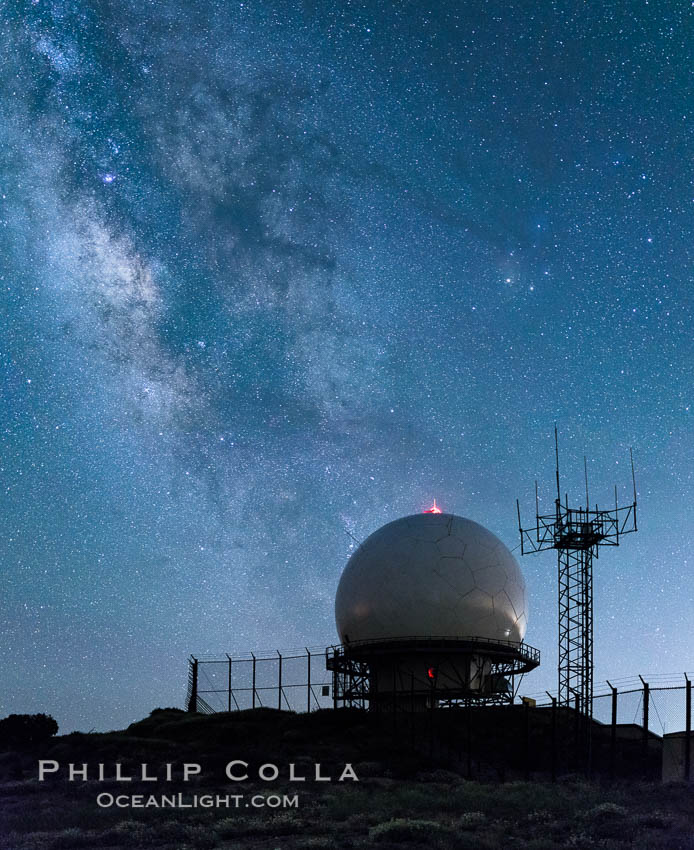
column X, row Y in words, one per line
column 577, row 534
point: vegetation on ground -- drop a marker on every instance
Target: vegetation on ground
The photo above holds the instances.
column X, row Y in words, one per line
column 403, row 799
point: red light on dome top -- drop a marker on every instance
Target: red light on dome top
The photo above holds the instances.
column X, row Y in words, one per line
column 434, row 509
column 431, row 672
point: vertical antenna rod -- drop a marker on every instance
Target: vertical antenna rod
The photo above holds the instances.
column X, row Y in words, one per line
column 633, row 481
column 633, row 476
column 616, row 513
column 556, row 455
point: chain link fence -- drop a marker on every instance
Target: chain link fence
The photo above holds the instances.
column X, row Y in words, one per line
column 293, row 680
column 663, row 712
column 535, row 736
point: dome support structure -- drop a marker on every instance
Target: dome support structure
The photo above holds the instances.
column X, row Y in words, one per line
column 416, row 674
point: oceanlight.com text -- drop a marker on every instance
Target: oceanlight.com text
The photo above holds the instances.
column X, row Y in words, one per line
column 195, row 801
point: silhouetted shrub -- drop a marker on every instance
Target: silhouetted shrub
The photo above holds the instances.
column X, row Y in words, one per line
column 19, row 731
column 403, row 830
column 472, row 820
column 654, row 820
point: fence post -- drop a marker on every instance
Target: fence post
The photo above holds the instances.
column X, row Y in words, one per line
column 308, row 686
column 373, row 692
column 527, row 739
column 577, row 732
column 193, row 701
column 279, row 681
column 229, row 683
column 613, row 731
column 412, row 730
column 646, row 706
column 253, row 657
column 688, row 732
column 589, row 737
column 394, row 701
column 468, row 742
column 554, row 736
column 335, row 673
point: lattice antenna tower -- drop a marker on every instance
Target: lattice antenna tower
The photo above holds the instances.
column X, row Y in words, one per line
column 577, row 534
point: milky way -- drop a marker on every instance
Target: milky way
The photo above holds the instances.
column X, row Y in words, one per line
column 274, row 274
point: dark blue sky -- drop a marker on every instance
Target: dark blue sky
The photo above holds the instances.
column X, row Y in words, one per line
column 275, row 272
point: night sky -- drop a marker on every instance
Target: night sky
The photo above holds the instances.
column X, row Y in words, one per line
column 274, row 274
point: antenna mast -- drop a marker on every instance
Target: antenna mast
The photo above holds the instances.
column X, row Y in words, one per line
column 577, row 534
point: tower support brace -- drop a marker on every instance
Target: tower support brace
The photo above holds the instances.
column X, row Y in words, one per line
column 575, row 668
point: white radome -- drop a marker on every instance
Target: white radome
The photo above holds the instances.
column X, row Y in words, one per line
column 431, row 575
